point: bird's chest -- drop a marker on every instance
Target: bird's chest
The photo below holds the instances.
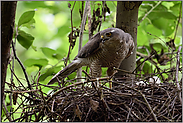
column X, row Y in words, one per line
column 112, row 54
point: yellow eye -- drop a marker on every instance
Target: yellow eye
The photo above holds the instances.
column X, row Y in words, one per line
column 102, row 36
column 108, row 34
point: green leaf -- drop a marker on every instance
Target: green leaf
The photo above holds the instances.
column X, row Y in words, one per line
column 25, row 39
column 34, row 48
column 57, row 56
column 72, row 75
column 30, row 24
column 36, row 62
column 167, row 15
column 176, row 8
column 48, row 52
column 167, row 26
column 26, row 17
column 3, row 113
column 49, row 72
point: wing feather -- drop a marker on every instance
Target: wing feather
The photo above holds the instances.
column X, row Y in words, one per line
column 90, row 47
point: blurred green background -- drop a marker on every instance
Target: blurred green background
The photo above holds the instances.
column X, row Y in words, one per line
column 53, row 25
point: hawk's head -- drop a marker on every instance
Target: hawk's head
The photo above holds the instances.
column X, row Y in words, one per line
column 111, row 34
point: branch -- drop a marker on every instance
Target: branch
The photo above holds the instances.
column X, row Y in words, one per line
column 149, row 12
column 89, row 21
column 6, row 112
column 177, row 72
column 178, row 21
column 81, row 34
column 71, row 35
column 149, row 106
column 22, row 66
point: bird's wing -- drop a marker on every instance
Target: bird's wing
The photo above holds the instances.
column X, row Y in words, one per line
column 90, row 47
column 130, row 42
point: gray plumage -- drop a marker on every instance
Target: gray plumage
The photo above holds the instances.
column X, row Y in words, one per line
column 107, row 48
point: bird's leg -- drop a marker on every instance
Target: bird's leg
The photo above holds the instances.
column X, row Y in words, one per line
column 110, row 73
column 95, row 70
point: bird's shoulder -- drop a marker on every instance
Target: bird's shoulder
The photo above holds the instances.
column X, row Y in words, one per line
column 90, row 47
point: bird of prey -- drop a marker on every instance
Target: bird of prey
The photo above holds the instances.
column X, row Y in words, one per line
column 107, row 48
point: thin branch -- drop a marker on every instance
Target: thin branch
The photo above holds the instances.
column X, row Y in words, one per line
column 143, row 62
column 71, row 35
column 149, row 12
column 22, row 66
column 89, row 21
column 149, row 106
column 177, row 72
column 161, row 40
column 178, row 21
column 75, row 84
column 81, row 33
column 6, row 111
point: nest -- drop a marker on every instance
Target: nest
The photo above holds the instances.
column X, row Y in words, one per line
column 129, row 100
column 91, row 101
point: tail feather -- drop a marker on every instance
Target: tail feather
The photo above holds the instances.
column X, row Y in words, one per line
column 73, row 66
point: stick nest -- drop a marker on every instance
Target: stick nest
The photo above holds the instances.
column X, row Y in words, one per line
column 126, row 101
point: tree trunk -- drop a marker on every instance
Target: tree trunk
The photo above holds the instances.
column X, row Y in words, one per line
column 8, row 10
column 126, row 19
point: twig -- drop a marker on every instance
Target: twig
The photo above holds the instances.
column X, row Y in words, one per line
column 75, row 84
column 52, row 105
column 17, row 79
column 25, row 91
column 87, row 114
column 71, row 35
column 177, row 72
column 178, row 21
column 6, row 111
column 23, row 68
column 161, row 40
column 81, row 34
column 86, row 74
column 143, row 62
column 149, row 12
column 149, row 106
column 89, row 21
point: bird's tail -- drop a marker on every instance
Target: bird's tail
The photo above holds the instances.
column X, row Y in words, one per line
column 74, row 65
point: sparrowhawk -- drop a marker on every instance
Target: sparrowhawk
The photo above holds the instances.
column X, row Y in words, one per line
column 107, row 48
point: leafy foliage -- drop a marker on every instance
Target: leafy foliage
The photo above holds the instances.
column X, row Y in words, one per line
column 43, row 35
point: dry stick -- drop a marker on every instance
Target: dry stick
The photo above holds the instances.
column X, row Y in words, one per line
column 75, row 84
column 89, row 21
column 149, row 106
column 6, row 112
column 146, row 56
column 12, row 83
column 23, row 68
column 161, row 40
column 149, row 11
column 25, row 91
column 87, row 114
column 81, row 34
column 71, row 35
column 178, row 21
column 143, row 62
column 17, row 79
column 177, row 72
column 86, row 74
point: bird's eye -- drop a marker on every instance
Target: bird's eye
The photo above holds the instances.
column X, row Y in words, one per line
column 102, row 36
column 108, row 34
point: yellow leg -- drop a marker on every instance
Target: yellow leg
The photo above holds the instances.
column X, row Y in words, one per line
column 110, row 85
